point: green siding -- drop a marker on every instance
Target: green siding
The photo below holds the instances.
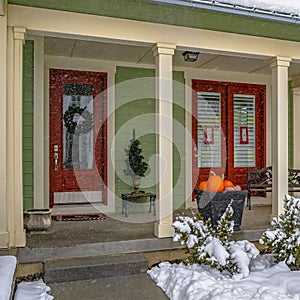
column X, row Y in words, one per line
column 28, row 77
column 179, row 140
column 173, row 15
column 135, row 109
column 290, row 124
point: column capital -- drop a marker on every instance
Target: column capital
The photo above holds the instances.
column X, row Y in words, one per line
column 296, row 92
column 280, row 61
column 19, row 33
column 163, row 48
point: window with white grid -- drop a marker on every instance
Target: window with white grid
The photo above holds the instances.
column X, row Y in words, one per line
column 209, row 129
column 244, row 130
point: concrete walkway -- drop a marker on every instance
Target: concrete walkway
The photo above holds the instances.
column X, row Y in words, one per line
column 112, row 236
column 137, row 226
column 142, row 287
column 134, row 287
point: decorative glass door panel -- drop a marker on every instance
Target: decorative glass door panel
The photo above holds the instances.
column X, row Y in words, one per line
column 77, row 154
column 78, row 120
column 228, row 129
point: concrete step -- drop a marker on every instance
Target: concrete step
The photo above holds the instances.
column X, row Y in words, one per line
column 88, row 268
column 41, row 254
column 250, row 235
column 29, row 255
column 130, row 287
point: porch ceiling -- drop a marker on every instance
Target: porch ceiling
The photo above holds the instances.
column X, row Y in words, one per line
column 143, row 55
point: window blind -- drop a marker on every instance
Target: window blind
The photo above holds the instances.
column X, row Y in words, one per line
column 209, row 129
column 244, row 130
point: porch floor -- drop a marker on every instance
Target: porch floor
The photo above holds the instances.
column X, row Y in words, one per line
column 136, row 226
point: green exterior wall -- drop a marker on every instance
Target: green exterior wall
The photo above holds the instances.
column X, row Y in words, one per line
column 28, row 83
column 290, row 124
column 173, row 15
column 135, row 109
column 139, row 98
column 135, row 97
column 179, row 132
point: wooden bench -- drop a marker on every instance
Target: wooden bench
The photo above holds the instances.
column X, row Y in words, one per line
column 260, row 180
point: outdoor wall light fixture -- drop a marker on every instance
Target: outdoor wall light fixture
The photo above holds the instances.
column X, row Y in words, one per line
column 190, row 56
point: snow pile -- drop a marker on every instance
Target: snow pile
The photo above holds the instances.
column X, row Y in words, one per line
column 242, row 253
column 212, row 246
column 36, row 290
column 195, row 282
column 258, row 277
column 216, row 251
column 284, row 238
column 7, row 269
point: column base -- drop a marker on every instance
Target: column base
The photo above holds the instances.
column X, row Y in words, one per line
column 4, row 237
column 163, row 230
column 20, row 239
column 191, row 204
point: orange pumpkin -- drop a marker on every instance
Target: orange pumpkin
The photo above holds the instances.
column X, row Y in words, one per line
column 228, row 183
column 215, row 183
column 202, row 185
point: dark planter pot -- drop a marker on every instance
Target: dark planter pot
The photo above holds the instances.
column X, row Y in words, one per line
column 37, row 219
column 213, row 205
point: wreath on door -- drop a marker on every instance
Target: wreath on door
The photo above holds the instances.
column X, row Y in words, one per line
column 81, row 127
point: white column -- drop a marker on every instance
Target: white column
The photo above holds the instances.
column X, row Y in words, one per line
column 279, row 66
column 164, row 142
column 3, row 77
column 2, row 7
column 14, row 137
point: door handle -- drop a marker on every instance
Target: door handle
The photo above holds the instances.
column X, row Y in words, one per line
column 55, row 156
column 55, row 161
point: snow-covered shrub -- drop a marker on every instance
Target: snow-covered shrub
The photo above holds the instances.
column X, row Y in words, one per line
column 213, row 247
column 284, row 238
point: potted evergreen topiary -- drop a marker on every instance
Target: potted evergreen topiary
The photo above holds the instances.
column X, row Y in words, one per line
column 136, row 166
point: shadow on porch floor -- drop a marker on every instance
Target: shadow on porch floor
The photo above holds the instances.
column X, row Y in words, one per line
column 119, row 228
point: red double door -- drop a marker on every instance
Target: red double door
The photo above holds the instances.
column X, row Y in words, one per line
column 228, row 130
column 77, row 153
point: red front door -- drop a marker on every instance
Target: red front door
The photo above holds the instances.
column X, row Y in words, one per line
column 228, row 129
column 77, row 135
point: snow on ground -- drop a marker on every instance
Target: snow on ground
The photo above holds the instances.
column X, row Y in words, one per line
column 8, row 265
column 266, row 281
column 36, row 290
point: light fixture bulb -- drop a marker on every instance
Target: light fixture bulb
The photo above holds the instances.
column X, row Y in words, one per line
column 190, row 56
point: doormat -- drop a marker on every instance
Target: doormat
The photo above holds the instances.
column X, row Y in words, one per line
column 79, row 217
